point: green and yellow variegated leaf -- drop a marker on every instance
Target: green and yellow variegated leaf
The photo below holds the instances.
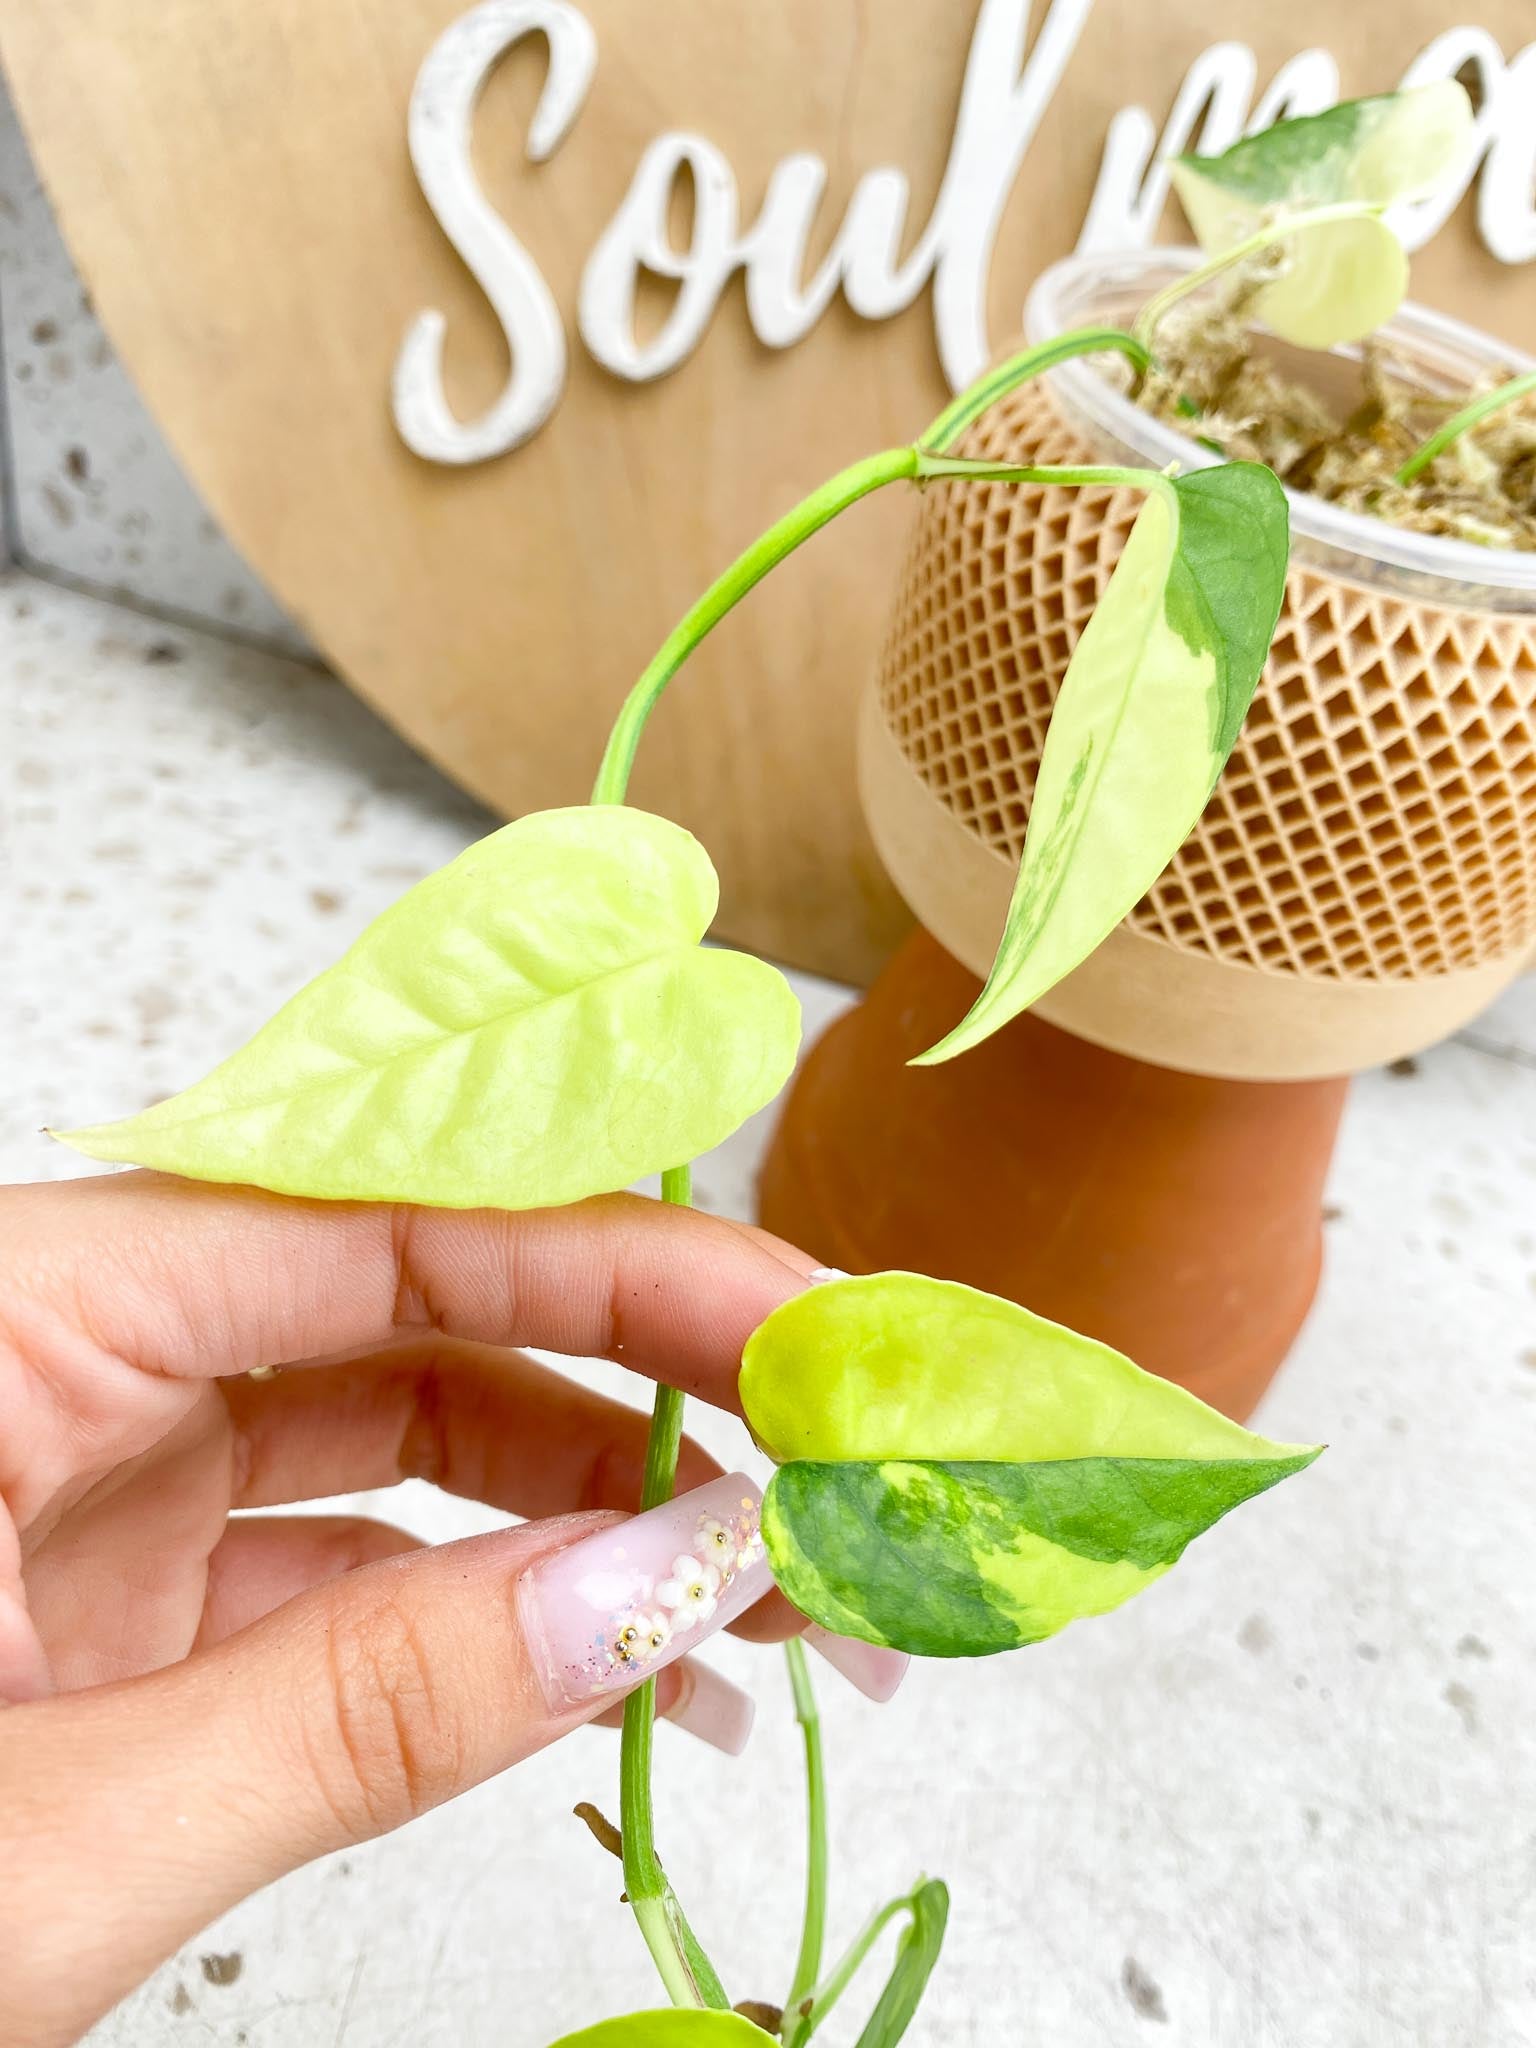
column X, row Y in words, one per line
column 958, row 1560
column 959, row 1476
column 1343, row 277
column 682, row 2028
column 1378, row 151
column 1149, row 709
column 534, row 1023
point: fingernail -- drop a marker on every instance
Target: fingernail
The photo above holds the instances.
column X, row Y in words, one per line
column 613, row 1609
column 874, row 1670
column 823, row 1273
column 711, row 1708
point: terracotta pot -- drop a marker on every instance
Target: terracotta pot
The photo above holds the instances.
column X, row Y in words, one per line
column 1174, row 1216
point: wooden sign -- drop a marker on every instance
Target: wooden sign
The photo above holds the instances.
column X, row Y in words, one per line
column 492, row 334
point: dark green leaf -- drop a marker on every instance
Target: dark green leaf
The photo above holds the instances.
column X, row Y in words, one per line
column 962, row 1560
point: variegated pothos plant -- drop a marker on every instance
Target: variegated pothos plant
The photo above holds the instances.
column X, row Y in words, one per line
column 539, row 1022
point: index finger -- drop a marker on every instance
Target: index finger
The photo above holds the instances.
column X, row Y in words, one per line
column 192, row 1281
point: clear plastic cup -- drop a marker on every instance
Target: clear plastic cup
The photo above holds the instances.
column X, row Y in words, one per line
column 1445, row 355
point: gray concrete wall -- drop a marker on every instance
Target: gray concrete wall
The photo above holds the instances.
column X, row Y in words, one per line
column 93, row 496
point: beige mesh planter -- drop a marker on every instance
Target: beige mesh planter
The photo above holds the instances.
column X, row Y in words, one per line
column 1364, row 878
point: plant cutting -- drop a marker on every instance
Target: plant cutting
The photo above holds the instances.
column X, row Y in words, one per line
column 1363, row 879
column 1301, row 207
column 539, row 1022
column 1294, row 226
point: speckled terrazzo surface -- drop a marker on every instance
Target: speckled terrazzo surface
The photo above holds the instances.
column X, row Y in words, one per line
column 1283, row 1801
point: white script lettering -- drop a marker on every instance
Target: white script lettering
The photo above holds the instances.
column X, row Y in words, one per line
column 1002, row 101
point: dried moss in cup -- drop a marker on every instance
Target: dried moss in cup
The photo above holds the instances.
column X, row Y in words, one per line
column 1250, row 399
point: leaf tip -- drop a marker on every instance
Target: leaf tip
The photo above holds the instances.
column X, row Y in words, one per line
column 81, row 1140
column 974, row 1029
column 937, row 1055
column 1287, row 1460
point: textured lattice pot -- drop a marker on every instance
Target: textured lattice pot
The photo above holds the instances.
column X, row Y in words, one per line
column 1364, row 878
column 1362, row 882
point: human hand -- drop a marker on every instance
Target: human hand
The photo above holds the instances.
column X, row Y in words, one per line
column 203, row 1700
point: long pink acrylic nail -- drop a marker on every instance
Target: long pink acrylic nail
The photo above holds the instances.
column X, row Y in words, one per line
column 611, row 1610
column 873, row 1669
column 712, row 1709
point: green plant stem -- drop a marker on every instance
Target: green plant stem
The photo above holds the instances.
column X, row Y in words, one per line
column 814, row 1925
column 685, row 1970
column 1460, row 423
column 892, row 465
column 799, row 2027
column 1151, row 316
column 749, row 568
column 654, row 1922
column 964, row 410
column 957, row 468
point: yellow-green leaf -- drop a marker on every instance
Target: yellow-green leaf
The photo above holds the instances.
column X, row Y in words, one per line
column 898, row 1365
column 1150, row 707
column 961, row 1560
column 959, row 1476
column 534, row 1023
column 671, row 2029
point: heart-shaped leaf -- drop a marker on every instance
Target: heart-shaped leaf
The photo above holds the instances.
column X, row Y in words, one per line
column 1150, row 707
column 959, row 1476
column 534, row 1023
column 683, row 2028
column 1342, row 277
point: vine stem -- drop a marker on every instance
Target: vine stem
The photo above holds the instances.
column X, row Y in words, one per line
column 1470, row 416
column 958, row 468
column 1153, row 312
column 814, row 1926
column 918, row 463
column 844, row 1972
column 749, row 568
column 964, row 410
column 685, row 1970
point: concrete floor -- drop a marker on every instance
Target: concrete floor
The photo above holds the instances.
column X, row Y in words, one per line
column 1287, row 1799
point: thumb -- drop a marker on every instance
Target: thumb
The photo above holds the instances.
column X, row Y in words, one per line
column 135, row 1813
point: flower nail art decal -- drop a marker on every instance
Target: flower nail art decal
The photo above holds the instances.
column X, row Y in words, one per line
column 610, row 1611
column 689, row 1595
column 688, row 1598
